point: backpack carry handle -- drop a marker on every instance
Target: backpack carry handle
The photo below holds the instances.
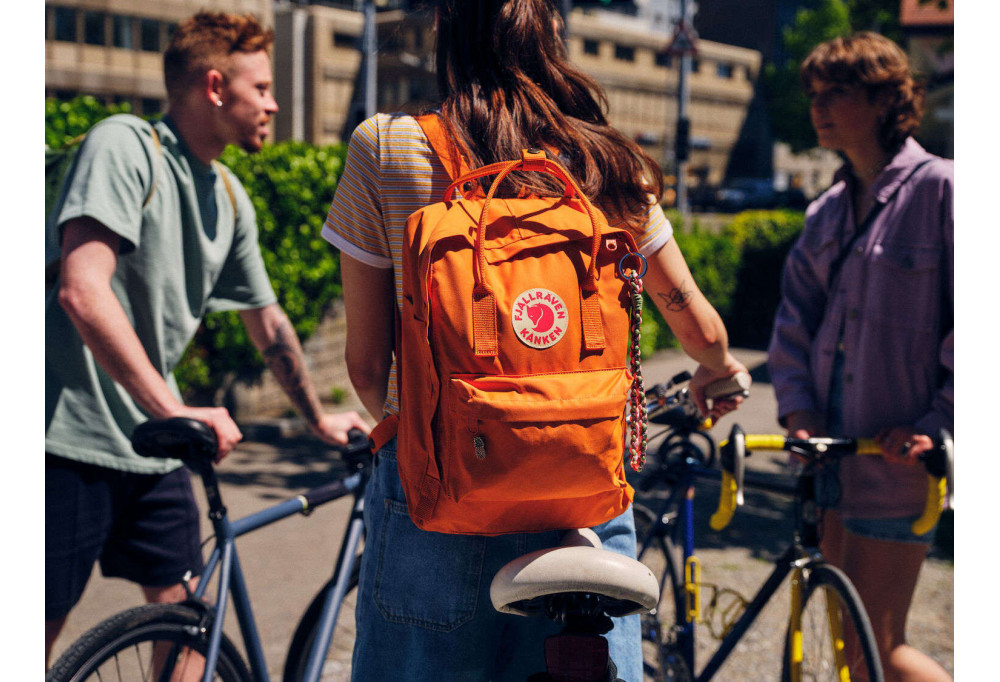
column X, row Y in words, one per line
column 483, row 299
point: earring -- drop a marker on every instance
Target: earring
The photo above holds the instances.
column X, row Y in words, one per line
column 218, row 102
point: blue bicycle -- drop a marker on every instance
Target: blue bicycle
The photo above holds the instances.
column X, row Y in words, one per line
column 186, row 641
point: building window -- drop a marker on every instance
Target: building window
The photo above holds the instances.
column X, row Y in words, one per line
column 664, row 59
column 65, row 20
column 624, row 53
column 345, row 40
column 695, row 65
column 724, row 70
column 149, row 35
column 94, row 28
column 123, row 35
column 591, row 46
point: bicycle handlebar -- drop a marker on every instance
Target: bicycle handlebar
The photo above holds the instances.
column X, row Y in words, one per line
column 194, row 442
column 938, row 462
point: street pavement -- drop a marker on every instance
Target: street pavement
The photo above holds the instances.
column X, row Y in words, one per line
column 287, row 562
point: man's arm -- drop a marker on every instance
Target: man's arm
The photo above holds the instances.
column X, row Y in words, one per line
column 273, row 335
column 89, row 259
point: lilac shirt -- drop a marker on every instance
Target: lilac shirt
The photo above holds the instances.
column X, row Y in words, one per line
column 892, row 307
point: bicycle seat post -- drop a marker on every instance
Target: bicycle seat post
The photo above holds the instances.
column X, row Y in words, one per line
column 216, row 509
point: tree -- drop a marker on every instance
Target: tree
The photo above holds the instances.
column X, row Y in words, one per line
column 822, row 21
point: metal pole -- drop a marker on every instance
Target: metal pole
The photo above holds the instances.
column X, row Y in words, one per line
column 370, row 58
column 683, row 123
column 300, row 19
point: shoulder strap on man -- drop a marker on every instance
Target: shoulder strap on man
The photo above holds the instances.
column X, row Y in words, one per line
column 222, row 171
column 443, row 144
column 156, row 166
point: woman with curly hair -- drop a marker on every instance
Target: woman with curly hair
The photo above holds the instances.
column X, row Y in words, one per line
column 863, row 340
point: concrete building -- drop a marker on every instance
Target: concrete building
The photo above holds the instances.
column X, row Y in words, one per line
column 628, row 59
column 112, row 49
column 930, row 44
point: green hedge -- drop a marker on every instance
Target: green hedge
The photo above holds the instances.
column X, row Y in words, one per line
column 737, row 267
column 291, row 185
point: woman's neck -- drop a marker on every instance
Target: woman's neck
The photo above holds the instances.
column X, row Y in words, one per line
column 867, row 163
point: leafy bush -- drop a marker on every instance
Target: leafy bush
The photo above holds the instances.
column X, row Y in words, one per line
column 763, row 239
column 291, row 185
column 738, row 268
column 67, row 120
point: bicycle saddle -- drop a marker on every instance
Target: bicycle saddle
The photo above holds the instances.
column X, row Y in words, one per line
column 181, row 438
column 579, row 565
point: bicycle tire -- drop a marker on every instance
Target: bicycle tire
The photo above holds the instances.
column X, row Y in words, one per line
column 338, row 659
column 662, row 658
column 817, row 647
column 120, row 647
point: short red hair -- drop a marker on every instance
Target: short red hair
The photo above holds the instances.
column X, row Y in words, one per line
column 205, row 41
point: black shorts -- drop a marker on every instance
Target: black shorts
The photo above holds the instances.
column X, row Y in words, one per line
column 144, row 528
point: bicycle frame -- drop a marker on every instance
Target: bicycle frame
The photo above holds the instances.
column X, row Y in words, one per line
column 800, row 554
column 225, row 559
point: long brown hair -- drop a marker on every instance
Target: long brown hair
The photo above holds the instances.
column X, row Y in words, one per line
column 506, row 84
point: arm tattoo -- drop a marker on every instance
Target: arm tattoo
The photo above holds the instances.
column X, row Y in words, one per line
column 285, row 360
column 677, row 299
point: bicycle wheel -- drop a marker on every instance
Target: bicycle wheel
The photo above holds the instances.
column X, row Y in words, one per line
column 338, row 658
column 662, row 660
column 819, row 637
column 124, row 646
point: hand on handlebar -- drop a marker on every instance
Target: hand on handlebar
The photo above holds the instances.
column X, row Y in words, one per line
column 226, row 431
column 703, row 376
column 903, row 444
column 333, row 428
column 803, row 424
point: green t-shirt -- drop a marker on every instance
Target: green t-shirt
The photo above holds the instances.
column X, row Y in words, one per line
column 182, row 255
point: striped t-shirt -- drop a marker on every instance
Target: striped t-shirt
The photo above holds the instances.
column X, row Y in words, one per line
column 391, row 172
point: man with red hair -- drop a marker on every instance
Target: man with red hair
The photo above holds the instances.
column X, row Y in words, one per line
column 153, row 233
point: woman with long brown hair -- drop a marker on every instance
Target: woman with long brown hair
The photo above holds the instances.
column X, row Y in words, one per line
column 864, row 337
column 423, row 605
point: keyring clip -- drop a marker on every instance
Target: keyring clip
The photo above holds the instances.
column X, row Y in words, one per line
column 642, row 259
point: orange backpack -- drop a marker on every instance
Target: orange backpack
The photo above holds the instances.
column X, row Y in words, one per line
column 512, row 357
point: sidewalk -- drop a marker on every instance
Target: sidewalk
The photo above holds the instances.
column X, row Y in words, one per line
column 287, row 562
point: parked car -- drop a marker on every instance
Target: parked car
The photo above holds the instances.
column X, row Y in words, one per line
column 746, row 193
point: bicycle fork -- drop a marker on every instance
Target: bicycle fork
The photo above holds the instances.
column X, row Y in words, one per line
column 833, row 616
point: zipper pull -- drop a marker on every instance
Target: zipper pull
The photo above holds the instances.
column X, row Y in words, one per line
column 480, row 446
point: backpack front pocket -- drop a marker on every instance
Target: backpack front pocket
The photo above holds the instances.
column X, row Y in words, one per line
column 538, row 437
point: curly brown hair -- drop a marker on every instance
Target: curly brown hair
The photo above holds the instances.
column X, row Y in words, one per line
column 205, row 41
column 881, row 67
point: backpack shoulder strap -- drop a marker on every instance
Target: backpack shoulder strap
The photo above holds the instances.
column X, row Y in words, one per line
column 223, row 173
column 156, row 166
column 443, row 144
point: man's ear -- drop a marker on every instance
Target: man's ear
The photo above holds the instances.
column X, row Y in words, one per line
column 214, row 84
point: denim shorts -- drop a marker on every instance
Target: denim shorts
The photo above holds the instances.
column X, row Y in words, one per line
column 894, row 530
column 424, row 610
